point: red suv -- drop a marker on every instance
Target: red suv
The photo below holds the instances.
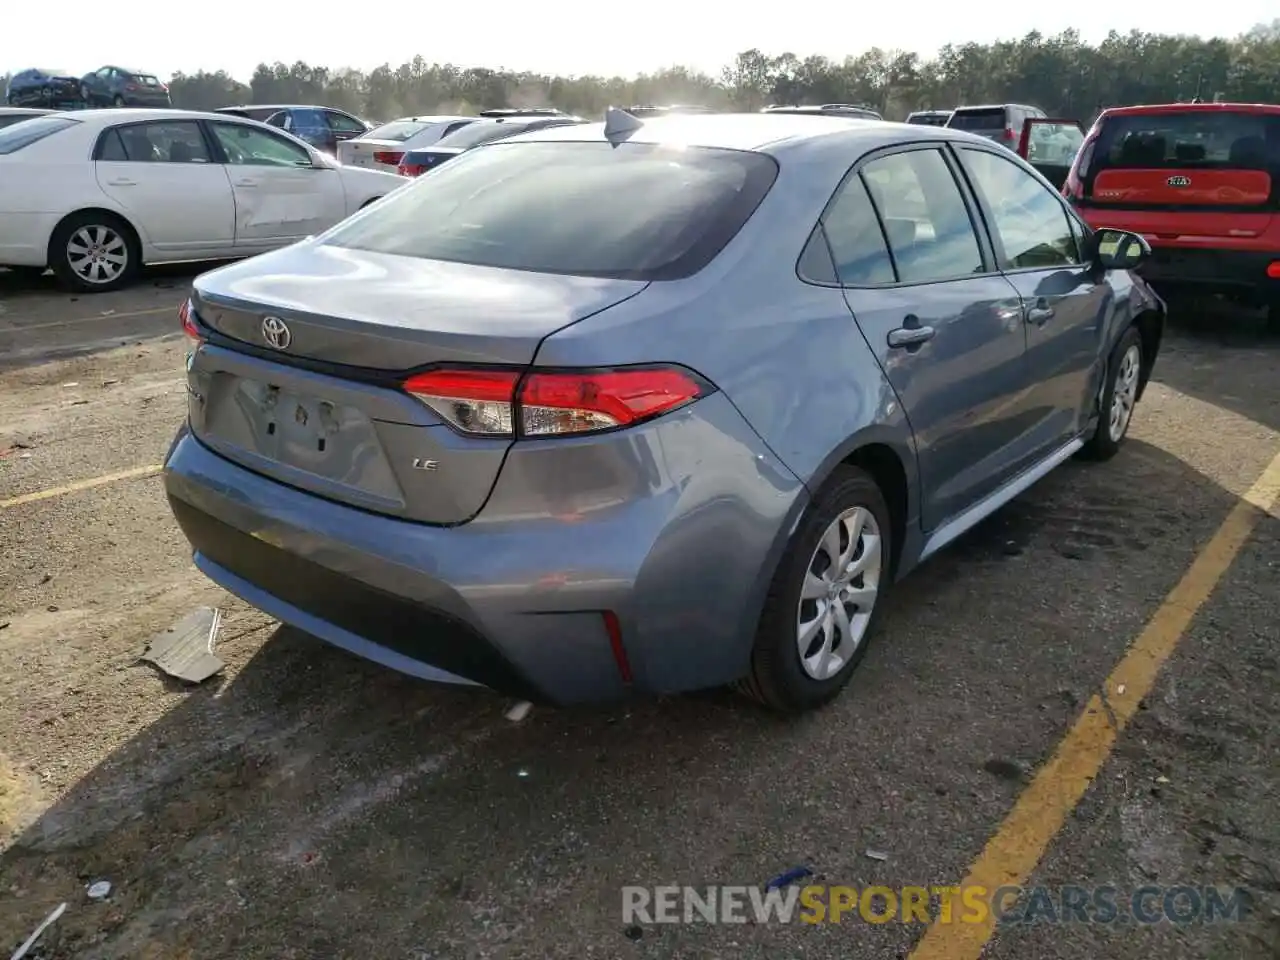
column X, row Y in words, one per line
column 1201, row 181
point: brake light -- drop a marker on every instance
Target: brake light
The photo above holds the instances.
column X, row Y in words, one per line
column 1273, row 270
column 390, row 157
column 410, row 170
column 502, row 403
column 187, row 315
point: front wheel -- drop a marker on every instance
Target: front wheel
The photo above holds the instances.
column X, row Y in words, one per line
column 94, row 252
column 1119, row 397
column 117, row 101
column 86, row 96
column 825, row 599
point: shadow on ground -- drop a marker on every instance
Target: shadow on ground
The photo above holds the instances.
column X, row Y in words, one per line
column 1240, row 374
column 314, row 805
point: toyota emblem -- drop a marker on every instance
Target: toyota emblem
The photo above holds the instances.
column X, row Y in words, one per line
column 1179, row 181
column 276, row 333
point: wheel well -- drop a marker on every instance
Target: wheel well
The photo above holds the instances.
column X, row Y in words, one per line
column 369, row 202
column 1150, row 324
column 97, row 211
column 890, row 476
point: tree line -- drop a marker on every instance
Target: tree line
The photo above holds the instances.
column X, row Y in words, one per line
column 1061, row 74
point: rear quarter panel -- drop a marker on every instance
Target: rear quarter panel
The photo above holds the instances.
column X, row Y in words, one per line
column 787, row 354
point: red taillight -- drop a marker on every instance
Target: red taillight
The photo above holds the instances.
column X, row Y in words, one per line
column 188, row 322
column 390, row 157
column 500, row 403
column 131, row 86
column 410, row 170
column 1273, row 270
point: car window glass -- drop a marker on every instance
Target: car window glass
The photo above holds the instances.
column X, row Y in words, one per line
column 857, row 241
column 924, row 214
column 170, row 142
column 1030, row 220
column 1054, row 143
column 308, row 119
column 815, row 260
column 282, row 119
column 343, row 124
column 251, row 147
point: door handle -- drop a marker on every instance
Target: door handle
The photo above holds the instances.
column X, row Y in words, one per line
column 1041, row 313
column 911, row 334
column 122, row 182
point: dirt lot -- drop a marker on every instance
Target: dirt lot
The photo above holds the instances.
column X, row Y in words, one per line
column 306, row 804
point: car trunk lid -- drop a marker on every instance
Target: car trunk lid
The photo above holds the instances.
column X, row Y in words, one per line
column 313, row 398
column 371, row 154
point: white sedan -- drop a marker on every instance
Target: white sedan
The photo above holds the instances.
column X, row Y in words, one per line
column 95, row 194
column 382, row 147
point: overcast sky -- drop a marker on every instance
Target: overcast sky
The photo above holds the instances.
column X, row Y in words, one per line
column 556, row 36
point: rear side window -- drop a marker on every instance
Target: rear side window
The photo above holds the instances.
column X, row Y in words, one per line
column 397, row 130
column 640, row 211
column 1196, row 140
column 988, row 119
column 14, row 138
column 925, row 217
column 856, row 239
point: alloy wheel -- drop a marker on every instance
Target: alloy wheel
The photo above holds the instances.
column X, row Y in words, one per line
column 97, row 254
column 1125, row 393
column 840, row 588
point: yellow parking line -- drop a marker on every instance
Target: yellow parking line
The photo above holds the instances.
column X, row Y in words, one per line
column 79, row 485
column 1013, row 853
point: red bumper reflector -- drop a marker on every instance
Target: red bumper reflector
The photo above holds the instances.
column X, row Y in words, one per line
column 614, row 629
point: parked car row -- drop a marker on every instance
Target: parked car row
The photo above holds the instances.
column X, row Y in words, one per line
column 650, row 405
column 108, row 86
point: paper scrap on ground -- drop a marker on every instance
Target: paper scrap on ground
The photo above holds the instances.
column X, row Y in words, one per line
column 185, row 650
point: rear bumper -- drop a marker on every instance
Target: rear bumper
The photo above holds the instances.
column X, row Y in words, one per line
column 514, row 599
column 1219, row 271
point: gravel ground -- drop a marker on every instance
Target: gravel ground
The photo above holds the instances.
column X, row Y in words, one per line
column 307, row 804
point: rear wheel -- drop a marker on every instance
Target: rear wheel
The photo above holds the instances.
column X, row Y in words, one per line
column 85, row 95
column 1119, row 397
column 117, row 101
column 825, row 599
column 94, row 252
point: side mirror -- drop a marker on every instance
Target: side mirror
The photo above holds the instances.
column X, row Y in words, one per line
column 1119, row 249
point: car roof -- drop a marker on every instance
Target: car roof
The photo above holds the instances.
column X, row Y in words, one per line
column 432, row 118
column 19, row 111
column 1158, row 108
column 109, row 115
column 280, row 106
column 772, row 133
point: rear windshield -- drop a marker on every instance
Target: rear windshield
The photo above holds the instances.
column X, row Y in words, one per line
column 1196, row 140
column 147, row 80
column 634, row 211
column 14, row 138
column 398, row 130
column 991, row 118
column 474, row 134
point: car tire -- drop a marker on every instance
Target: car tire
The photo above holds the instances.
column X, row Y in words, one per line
column 85, row 231
column 1119, row 398
column 800, row 632
column 117, row 101
column 86, row 95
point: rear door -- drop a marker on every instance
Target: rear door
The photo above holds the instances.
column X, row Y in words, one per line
column 163, row 176
column 945, row 325
column 1050, row 145
column 1190, row 176
column 1062, row 302
column 280, row 195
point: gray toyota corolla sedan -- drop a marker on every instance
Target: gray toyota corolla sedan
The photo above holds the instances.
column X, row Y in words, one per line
column 650, row 406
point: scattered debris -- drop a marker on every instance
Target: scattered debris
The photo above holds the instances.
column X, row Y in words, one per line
column 46, row 578
column 52, row 608
column 24, row 456
column 3, row 624
column 109, row 383
column 877, row 854
column 788, row 878
column 13, row 448
column 1006, row 769
column 522, row 773
column 99, row 890
column 107, row 313
column 519, row 711
column 185, row 650
column 78, row 403
column 73, row 383
column 31, row 940
column 1120, row 689
column 633, row 932
column 1162, row 779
